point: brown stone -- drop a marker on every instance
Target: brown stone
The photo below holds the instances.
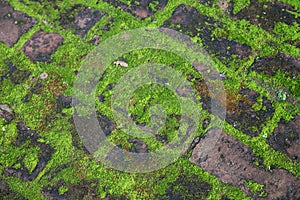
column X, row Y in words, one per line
column 13, row 24
column 41, row 45
column 231, row 162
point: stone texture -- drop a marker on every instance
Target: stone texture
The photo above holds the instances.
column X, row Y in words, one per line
column 41, row 45
column 13, row 24
column 286, row 138
column 231, row 162
column 83, row 20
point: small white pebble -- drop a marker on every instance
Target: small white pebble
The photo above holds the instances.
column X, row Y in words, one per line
column 6, row 108
column 43, row 75
column 121, row 63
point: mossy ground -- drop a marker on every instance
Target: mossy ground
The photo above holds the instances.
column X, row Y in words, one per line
column 70, row 164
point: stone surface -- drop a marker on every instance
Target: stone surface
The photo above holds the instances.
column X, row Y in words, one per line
column 266, row 14
column 41, row 45
column 195, row 24
column 282, row 63
column 239, row 107
column 231, row 162
column 84, row 19
column 139, row 8
column 286, row 138
column 13, row 24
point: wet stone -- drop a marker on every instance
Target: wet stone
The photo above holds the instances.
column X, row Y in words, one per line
column 231, row 162
column 41, row 45
column 224, row 48
column 239, row 111
column 190, row 21
column 139, row 8
column 84, row 19
column 267, row 14
column 13, row 24
column 286, row 138
column 248, row 120
column 188, row 188
column 281, row 62
column 63, row 102
column 106, row 124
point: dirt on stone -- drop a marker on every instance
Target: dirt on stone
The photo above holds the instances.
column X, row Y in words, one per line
column 266, row 14
column 41, row 45
column 239, row 107
column 231, row 162
column 84, row 19
column 193, row 23
column 286, row 138
column 139, row 8
column 282, row 63
column 13, row 24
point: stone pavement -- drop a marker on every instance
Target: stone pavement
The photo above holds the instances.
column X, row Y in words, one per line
column 255, row 43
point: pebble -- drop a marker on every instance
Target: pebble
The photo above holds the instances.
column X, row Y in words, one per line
column 43, row 75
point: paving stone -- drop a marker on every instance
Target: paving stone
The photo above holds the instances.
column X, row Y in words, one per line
column 231, row 162
column 239, row 111
column 188, row 18
column 139, row 8
column 13, row 24
column 84, row 19
column 281, row 62
column 195, row 24
column 267, row 14
column 286, row 138
column 41, row 45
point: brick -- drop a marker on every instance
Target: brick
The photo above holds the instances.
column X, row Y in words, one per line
column 13, row 24
column 231, row 162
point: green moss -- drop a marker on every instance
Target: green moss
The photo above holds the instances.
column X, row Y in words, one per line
column 68, row 58
column 31, row 159
column 256, row 188
column 62, row 190
column 239, row 5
